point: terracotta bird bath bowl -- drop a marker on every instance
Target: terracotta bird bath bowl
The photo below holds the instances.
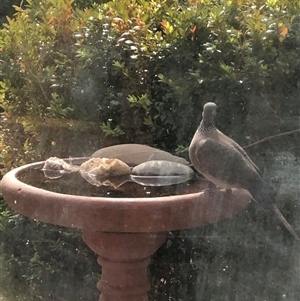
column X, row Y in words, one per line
column 124, row 226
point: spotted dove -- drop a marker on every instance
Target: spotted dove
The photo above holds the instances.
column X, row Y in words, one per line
column 224, row 162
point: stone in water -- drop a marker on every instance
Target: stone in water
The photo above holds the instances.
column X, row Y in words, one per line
column 104, row 171
column 54, row 168
column 161, row 173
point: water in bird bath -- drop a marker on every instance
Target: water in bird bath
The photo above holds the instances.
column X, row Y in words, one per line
column 123, row 186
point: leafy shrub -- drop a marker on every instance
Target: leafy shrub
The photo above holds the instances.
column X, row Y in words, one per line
column 29, row 272
column 7, row 9
column 127, row 70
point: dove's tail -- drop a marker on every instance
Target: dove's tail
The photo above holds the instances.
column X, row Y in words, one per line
column 266, row 201
column 275, row 211
column 265, row 198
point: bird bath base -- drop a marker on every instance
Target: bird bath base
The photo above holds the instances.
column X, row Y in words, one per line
column 123, row 231
column 124, row 258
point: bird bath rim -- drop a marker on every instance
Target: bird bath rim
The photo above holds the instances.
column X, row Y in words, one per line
column 140, row 214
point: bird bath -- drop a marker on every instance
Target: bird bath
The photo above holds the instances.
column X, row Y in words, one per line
column 124, row 226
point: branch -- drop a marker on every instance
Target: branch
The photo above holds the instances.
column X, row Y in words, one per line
column 271, row 137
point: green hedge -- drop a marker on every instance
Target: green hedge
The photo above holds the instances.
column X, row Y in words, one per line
column 127, row 71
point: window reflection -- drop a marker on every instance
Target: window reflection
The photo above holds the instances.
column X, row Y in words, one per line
column 78, row 76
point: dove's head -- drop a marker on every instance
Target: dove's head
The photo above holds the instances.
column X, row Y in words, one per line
column 209, row 112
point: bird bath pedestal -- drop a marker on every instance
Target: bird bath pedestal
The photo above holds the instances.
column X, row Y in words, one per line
column 125, row 231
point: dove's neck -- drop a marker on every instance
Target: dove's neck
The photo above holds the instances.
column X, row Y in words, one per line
column 205, row 127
